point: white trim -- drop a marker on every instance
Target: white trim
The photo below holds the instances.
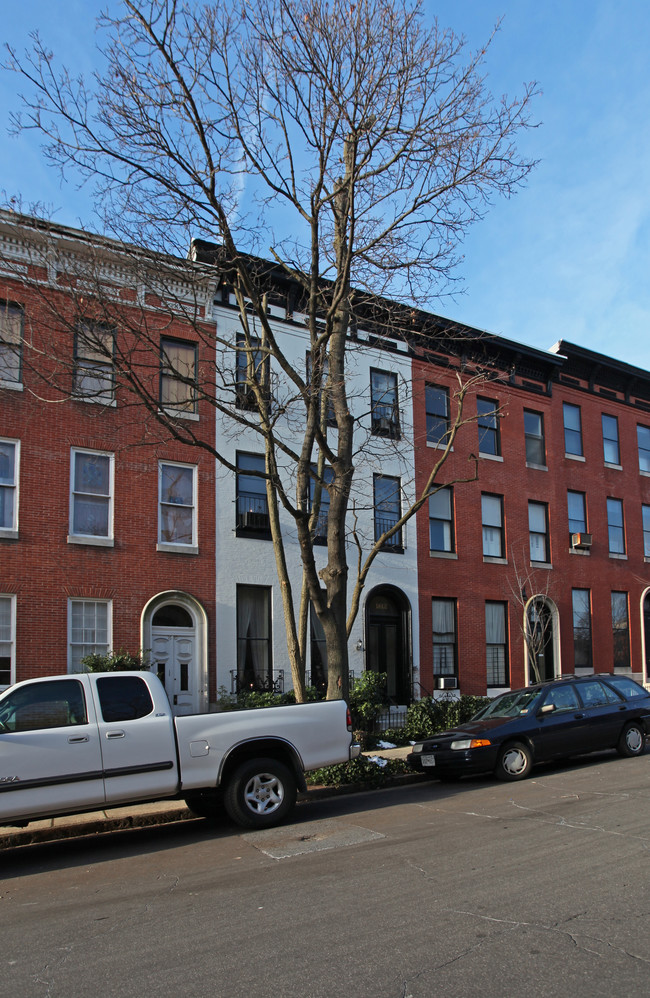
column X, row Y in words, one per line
column 12, row 530
column 12, row 638
column 102, row 540
column 166, row 545
column 199, row 616
column 108, row 603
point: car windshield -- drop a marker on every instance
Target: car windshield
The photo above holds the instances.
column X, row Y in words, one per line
column 510, row 705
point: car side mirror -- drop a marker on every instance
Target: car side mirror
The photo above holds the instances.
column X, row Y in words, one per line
column 548, row 708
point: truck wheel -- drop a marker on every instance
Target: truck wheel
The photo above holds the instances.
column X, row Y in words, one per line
column 206, row 804
column 260, row 793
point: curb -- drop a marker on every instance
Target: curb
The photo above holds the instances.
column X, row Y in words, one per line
column 80, row 826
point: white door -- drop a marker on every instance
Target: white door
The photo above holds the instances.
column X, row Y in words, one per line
column 174, row 658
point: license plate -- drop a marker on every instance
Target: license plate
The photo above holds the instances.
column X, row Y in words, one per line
column 428, row 760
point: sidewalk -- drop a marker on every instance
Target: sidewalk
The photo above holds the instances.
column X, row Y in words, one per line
column 138, row 815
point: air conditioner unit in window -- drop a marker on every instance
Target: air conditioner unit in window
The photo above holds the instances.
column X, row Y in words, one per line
column 445, row 682
column 581, row 541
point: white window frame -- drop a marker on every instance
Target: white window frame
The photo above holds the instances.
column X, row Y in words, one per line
column 93, row 645
column 12, row 639
column 490, row 502
column 99, row 540
column 178, row 546
column 12, row 530
column 537, row 537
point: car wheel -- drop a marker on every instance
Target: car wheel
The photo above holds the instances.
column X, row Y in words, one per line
column 206, row 804
column 514, row 762
column 260, row 793
column 632, row 740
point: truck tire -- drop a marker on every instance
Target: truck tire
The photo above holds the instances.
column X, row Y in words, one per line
column 260, row 793
column 206, row 803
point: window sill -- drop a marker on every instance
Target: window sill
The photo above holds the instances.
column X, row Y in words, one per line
column 537, row 467
column 644, row 474
column 8, row 534
column 392, row 549
column 541, row 564
column 583, row 552
column 614, row 467
column 177, row 548
column 489, row 560
column 449, row 555
column 179, row 414
column 14, row 386
column 617, row 557
column 99, row 542
column 491, row 457
column 584, row 670
column 95, row 400
column 575, row 457
column 438, row 446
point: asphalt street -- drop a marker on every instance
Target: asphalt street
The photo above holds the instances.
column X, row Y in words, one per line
column 425, row 891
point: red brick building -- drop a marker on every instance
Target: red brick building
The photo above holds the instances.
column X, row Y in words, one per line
column 107, row 537
column 540, row 566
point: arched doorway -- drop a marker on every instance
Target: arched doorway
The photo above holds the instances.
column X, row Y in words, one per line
column 645, row 616
column 388, row 640
column 174, row 633
column 542, row 640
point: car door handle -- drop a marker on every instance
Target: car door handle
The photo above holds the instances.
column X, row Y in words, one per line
column 579, row 715
column 73, row 739
column 115, row 734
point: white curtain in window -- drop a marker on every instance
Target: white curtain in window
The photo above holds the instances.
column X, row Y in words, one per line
column 444, row 625
column 495, row 624
column 253, row 629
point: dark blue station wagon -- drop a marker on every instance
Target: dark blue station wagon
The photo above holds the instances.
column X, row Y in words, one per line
column 553, row 720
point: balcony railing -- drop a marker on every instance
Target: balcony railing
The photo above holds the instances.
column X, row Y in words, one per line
column 257, row 683
column 252, row 511
column 382, row 525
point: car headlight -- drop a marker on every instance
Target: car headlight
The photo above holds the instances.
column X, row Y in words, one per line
column 462, row 744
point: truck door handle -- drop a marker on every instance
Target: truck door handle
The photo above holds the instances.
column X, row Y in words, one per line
column 77, row 738
column 115, row 734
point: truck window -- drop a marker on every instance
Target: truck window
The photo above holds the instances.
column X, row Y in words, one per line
column 123, row 698
column 44, row 705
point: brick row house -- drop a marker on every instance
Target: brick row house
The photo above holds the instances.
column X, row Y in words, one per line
column 540, row 567
column 528, row 561
column 107, row 536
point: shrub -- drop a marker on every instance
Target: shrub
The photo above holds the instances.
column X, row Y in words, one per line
column 358, row 772
column 253, row 699
column 367, row 699
column 115, row 661
column 428, row 716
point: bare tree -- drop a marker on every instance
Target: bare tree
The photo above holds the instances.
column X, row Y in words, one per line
column 351, row 145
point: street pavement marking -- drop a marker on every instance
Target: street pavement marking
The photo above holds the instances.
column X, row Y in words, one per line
column 296, row 840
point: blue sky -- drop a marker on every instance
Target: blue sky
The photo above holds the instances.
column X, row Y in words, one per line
column 569, row 256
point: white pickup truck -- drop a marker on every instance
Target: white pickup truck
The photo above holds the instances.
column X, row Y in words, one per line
column 85, row 742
